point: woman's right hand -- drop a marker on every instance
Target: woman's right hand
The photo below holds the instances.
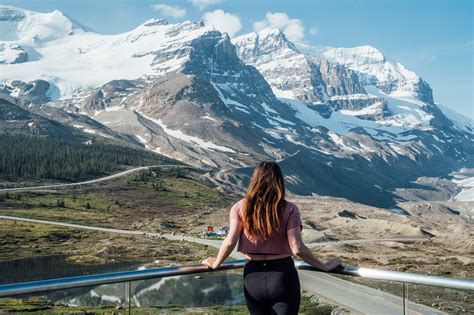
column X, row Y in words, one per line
column 333, row 263
column 298, row 248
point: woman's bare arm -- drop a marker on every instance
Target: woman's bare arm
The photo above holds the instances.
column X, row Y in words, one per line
column 298, row 248
column 227, row 245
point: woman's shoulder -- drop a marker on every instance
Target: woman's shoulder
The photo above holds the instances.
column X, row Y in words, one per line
column 290, row 205
column 236, row 210
column 239, row 203
column 291, row 208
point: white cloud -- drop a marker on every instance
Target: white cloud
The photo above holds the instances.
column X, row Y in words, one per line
column 292, row 28
column 201, row 4
column 223, row 21
column 313, row 31
column 169, row 10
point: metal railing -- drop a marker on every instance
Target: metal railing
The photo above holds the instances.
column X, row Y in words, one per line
column 129, row 276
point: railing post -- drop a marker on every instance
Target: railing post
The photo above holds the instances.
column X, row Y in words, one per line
column 404, row 298
column 128, row 297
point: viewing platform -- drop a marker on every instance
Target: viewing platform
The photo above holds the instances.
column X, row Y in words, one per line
column 195, row 288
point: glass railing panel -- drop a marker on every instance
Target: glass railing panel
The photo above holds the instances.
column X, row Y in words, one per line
column 97, row 299
column 217, row 292
column 221, row 292
column 444, row 300
column 50, row 267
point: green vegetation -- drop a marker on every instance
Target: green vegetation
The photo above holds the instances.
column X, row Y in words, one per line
column 309, row 306
column 177, row 187
column 65, row 206
column 35, row 305
column 130, row 202
column 27, row 157
column 22, row 240
column 127, row 203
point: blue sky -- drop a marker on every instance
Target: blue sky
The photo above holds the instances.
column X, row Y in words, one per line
column 433, row 38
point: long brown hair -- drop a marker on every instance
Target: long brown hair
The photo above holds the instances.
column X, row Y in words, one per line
column 265, row 196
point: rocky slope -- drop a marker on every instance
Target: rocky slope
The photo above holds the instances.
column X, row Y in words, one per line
column 15, row 119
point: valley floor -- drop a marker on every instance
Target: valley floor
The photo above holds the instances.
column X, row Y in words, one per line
column 432, row 240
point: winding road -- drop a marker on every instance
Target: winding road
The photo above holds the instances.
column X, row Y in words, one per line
column 371, row 240
column 94, row 181
column 359, row 299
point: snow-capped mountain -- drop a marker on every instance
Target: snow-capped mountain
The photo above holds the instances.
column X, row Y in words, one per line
column 373, row 68
column 364, row 89
column 357, row 81
column 342, row 122
column 33, row 28
column 23, row 31
column 295, row 75
column 65, row 54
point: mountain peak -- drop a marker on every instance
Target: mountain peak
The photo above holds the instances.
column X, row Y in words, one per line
column 272, row 34
column 359, row 54
column 270, row 31
column 36, row 28
column 373, row 68
column 155, row 22
column 265, row 42
column 371, row 52
column 58, row 12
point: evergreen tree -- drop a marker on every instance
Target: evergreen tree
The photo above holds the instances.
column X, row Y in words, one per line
column 60, row 203
column 32, row 157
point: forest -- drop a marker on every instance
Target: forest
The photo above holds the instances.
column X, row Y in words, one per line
column 33, row 157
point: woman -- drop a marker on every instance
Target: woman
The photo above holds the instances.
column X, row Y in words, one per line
column 271, row 229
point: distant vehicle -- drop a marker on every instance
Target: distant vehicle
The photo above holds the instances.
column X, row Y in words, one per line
column 220, row 232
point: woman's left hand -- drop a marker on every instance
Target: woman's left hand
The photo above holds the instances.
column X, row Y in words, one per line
column 210, row 262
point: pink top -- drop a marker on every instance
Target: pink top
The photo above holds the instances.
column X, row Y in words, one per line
column 278, row 243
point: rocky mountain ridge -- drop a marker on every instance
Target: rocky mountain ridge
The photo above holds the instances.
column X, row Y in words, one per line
column 342, row 122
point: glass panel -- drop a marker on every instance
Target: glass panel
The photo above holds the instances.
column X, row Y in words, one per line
column 222, row 293
column 436, row 299
column 51, row 267
column 217, row 292
column 212, row 293
column 103, row 298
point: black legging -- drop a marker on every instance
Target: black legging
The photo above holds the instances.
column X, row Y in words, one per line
column 272, row 287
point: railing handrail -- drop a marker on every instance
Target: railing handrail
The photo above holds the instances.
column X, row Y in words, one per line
column 134, row 275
